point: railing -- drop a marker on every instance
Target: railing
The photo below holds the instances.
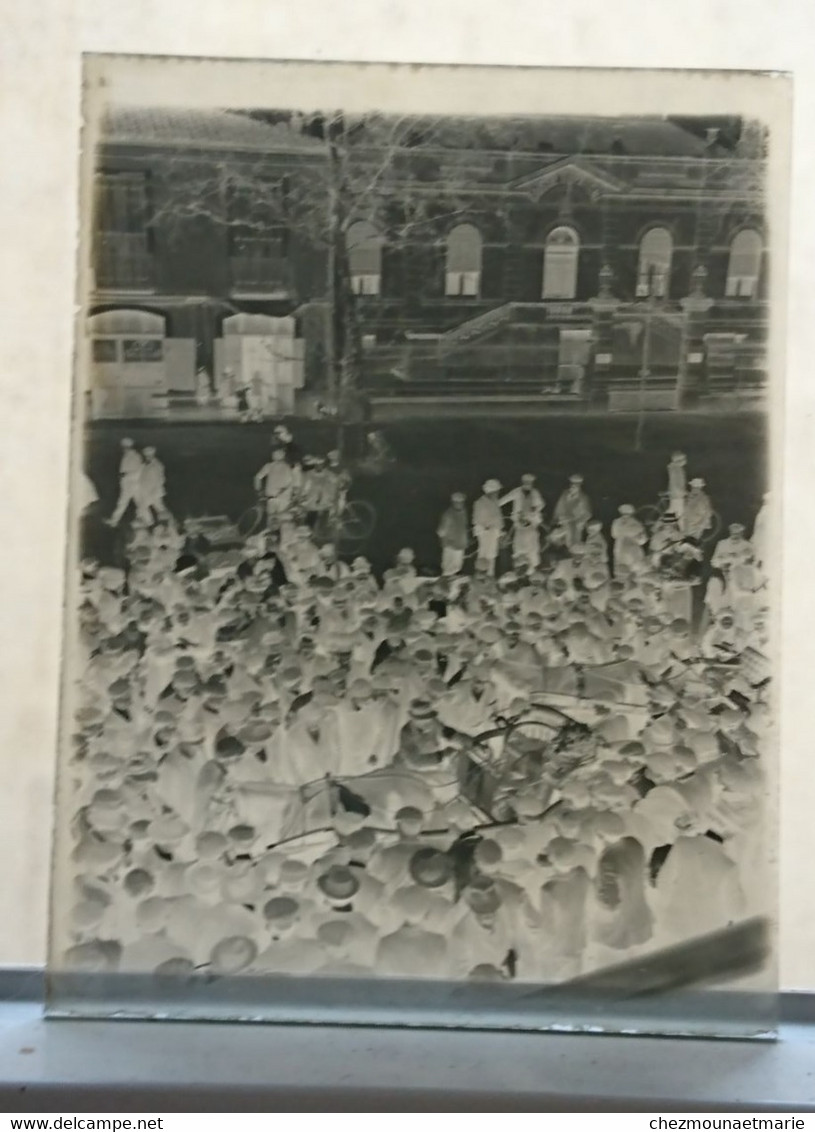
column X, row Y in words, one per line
column 475, row 328
column 123, row 262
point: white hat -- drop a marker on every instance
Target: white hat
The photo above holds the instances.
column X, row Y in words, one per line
column 626, row 509
column 698, row 482
column 491, row 485
column 527, row 477
column 575, row 479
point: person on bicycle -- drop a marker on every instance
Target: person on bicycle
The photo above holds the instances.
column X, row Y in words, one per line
column 527, row 517
column 316, row 489
column 698, row 511
column 573, row 511
column 677, row 483
column 275, row 481
column 340, row 481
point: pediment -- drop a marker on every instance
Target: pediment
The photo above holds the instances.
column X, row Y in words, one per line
column 570, row 173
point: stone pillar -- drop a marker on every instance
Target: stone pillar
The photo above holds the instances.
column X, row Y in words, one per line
column 690, row 379
column 603, row 308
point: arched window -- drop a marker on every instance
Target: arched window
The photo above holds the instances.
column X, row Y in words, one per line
column 364, row 245
column 463, row 268
column 654, row 272
column 560, row 264
column 744, row 267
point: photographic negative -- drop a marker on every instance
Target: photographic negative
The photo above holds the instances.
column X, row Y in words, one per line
column 422, row 603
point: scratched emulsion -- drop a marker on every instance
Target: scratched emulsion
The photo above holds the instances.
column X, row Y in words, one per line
column 512, row 720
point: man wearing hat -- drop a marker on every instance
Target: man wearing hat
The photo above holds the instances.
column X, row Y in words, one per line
column 527, row 516
column 130, row 468
column 629, row 538
column 152, row 486
column 425, row 751
column 488, row 524
column 573, row 511
column 734, row 550
column 276, row 481
column 453, row 532
column 698, row 512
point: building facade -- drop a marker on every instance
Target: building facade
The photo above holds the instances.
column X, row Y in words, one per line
column 614, row 264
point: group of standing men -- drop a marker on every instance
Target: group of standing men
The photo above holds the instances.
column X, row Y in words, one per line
column 142, row 485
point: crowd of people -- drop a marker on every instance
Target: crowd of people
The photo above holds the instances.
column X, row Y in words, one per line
column 284, row 763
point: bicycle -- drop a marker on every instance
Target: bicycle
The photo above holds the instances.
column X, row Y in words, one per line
column 353, row 520
column 650, row 514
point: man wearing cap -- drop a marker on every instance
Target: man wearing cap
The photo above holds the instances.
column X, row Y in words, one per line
column 488, row 524
column 573, row 511
column 629, row 538
column 698, row 512
column 453, row 532
column 152, row 485
column 734, row 550
column 527, row 516
column 130, row 468
column 425, row 751
column 276, row 482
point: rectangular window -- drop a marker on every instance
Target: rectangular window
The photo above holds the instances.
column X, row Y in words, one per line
column 104, row 350
column 652, row 283
column 741, row 286
column 259, row 262
column 123, row 259
column 143, row 349
column 462, row 283
column 366, row 284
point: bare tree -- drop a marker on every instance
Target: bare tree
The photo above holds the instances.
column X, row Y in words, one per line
column 405, row 178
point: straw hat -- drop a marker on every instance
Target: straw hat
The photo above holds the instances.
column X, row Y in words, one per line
column 280, row 909
column 430, row 868
column 338, row 883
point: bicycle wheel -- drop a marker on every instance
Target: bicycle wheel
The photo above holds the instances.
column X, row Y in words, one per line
column 357, row 520
column 251, row 520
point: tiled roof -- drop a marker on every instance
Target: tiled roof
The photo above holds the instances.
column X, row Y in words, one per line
column 206, row 129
